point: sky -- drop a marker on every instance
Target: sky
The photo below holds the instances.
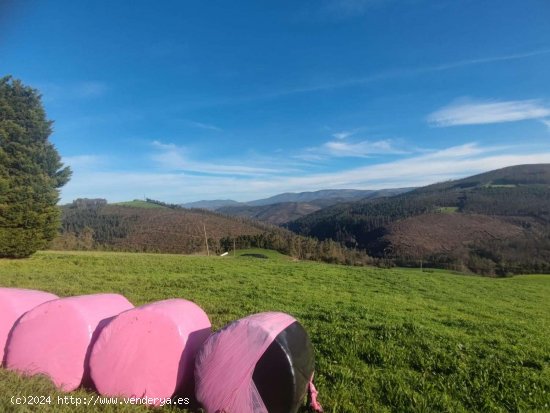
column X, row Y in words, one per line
column 186, row 100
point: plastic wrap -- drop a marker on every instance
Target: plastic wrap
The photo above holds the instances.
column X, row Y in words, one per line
column 283, row 372
column 55, row 337
column 14, row 302
column 247, row 354
column 149, row 351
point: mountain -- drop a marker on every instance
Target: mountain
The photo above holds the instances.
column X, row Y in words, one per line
column 211, row 205
column 495, row 222
column 332, row 195
column 275, row 214
column 322, row 198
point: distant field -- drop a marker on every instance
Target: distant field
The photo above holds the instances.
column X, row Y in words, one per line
column 447, row 210
column 136, row 203
column 385, row 339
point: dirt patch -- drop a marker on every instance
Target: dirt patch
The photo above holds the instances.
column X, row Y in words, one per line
column 446, row 233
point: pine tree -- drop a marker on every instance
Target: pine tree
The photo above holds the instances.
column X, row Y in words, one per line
column 31, row 172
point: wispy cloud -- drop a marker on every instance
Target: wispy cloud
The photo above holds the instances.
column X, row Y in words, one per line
column 342, row 134
column 80, row 162
column 177, row 158
column 206, row 126
column 88, row 89
column 482, row 60
column 476, row 113
column 180, row 186
column 402, row 73
column 361, row 148
column 349, row 81
column 342, row 148
column 546, row 122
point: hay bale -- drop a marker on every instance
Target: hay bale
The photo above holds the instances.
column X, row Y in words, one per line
column 14, row 302
column 149, row 351
column 259, row 364
column 55, row 337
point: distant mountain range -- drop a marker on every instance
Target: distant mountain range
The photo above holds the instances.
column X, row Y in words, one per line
column 283, row 208
column 211, row 205
column 327, row 196
column 495, row 223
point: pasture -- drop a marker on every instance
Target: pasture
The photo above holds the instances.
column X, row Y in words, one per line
column 385, row 339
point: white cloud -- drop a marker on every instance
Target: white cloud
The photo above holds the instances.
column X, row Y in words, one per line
column 84, row 161
column 360, row 149
column 341, row 148
column 342, row 135
column 206, row 126
column 417, row 170
column 166, row 146
column 88, row 89
column 177, row 158
column 468, row 149
column 475, row 113
column 448, row 163
column 546, row 122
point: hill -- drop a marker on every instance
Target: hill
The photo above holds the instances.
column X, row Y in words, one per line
column 153, row 226
column 397, row 340
column 287, row 207
column 495, row 222
column 274, row 213
column 137, row 203
column 332, row 195
column 147, row 227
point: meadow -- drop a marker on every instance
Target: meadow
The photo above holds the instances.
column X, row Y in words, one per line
column 397, row 340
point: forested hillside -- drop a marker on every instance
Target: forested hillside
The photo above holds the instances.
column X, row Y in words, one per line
column 494, row 223
column 153, row 226
column 274, row 214
column 283, row 208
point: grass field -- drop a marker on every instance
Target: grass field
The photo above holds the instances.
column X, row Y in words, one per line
column 385, row 339
column 136, row 203
column 447, row 210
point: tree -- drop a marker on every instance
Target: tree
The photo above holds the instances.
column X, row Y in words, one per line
column 31, row 172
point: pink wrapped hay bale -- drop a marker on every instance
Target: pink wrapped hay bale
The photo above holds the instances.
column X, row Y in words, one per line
column 259, row 364
column 149, row 351
column 14, row 302
column 55, row 338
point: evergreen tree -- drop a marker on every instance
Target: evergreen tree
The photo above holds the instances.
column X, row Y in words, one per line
column 31, row 172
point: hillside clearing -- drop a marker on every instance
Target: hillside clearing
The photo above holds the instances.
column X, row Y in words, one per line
column 137, row 203
column 385, row 339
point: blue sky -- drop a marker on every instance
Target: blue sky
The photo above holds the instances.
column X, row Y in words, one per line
column 188, row 100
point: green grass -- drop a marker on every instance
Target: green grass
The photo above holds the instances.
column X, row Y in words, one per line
column 385, row 339
column 136, row 203
column 447, row 210
column 270, row 254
